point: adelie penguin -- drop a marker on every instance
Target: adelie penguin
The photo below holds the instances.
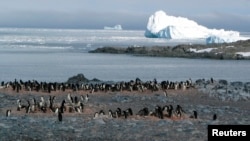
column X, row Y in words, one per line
column 8, row 113
column 214, row 117
column 195, row 115
column 59, row 116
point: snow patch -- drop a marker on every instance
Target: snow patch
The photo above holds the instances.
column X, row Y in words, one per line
column 201, row 50
column 244, row 54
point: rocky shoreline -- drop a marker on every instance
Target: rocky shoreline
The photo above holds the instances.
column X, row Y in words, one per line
column 228, row 100
column 212, row 51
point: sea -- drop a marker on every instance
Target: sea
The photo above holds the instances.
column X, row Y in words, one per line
column 54, row 55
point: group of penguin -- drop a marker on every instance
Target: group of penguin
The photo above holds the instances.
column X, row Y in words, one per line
column 132, row 85
column 74, row 104
column 166, row 111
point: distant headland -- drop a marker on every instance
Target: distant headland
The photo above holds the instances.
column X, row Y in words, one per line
column 236, row 50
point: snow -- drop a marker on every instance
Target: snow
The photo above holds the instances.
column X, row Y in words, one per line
column 244, row 54
column 161, row 25
column 201, row 50
column 116, row 27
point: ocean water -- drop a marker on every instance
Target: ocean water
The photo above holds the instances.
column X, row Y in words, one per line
column 57, row 54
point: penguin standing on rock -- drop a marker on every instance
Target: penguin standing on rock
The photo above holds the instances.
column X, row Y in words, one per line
column 195, row 115
column 8, row 113
column 214, row 117
column 59, row 116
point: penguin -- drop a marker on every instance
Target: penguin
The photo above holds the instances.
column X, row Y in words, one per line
column 195, row 114
column 101, row 113
column 19, row 105
column 143, row 112
column 76, row 100
column 170, row 111
column 158, row 112
column 212, row 80
column 165, row 110
column 110, row 113
column 96, row 115
column 125, row 114
column 59, row 116
column 214, row 117
column 179, row 111
column 86, row 98
column 70, row 98
column 56, row 111
column 165, row 93
column 81, row 106
column 28, row 108
column 62, row 106
column 8, row 113
column 118, row 112
column 129, row 110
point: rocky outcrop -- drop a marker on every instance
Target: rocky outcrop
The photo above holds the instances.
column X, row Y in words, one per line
column 224, row 90
column 213, row 51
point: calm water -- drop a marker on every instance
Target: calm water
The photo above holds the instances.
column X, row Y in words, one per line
column 55, row 55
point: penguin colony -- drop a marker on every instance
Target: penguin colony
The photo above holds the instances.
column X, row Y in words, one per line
column 132, row 85
column 76, row 104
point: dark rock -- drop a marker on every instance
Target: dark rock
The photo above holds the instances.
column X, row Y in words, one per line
column 79, row 78
column 237, row 84
column 223, row 82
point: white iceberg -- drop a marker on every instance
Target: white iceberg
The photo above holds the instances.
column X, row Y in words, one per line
column 116, row 27
column 161, row 25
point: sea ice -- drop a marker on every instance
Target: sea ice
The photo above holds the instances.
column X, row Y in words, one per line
column 116, row 27
column 161, row 25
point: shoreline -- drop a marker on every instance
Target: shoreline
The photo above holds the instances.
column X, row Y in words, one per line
column 227, row 51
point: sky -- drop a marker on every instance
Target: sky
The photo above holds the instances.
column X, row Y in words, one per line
column 131, row 14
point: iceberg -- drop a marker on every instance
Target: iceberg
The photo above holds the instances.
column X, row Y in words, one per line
column 161, row 25
column 116, row 27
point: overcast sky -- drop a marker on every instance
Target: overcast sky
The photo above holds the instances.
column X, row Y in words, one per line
column 131, row 14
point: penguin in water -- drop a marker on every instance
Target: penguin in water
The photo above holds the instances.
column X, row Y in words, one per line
column 60, row 116
column 8, row 113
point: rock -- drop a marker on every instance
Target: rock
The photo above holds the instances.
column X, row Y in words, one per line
column 223, row 82
column 99, row 121
column 79, row 78
column 122, row 99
